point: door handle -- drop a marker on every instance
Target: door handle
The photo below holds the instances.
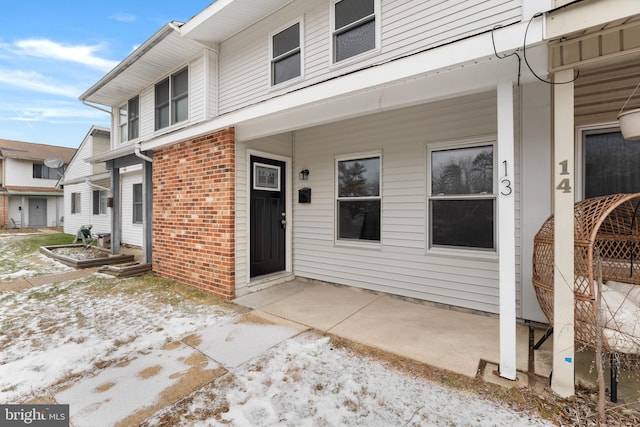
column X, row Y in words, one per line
column 283, row 221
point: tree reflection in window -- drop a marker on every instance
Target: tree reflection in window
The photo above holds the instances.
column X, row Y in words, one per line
column 462, row 171
column 359, row 199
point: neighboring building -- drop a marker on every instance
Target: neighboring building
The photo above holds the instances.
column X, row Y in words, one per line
column 427, row 143
column 28, row 194
column 87, row 191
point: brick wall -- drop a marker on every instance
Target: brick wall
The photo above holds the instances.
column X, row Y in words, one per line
column 194, row 212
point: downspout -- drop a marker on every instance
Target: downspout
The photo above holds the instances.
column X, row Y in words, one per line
column 100, row 187
column 137, row 152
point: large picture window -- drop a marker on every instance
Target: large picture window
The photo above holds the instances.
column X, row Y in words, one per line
column 172, row 99
column 462, row 203
column 41, row 171
column 610, row 163
column 286, row 55
column 358, row 198
column 137, row 203
column 354, row 29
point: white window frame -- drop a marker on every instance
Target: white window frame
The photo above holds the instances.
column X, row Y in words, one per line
column 76, row 203
column 300, row 49
column 125, row 121
column 257, row 186
column 374, row 244
column 360, row 56
column 102, row 202
column 172, row 99
column 135, row 203
column 452, row 145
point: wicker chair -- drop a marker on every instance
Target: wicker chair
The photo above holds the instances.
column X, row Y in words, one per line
column 608, row 225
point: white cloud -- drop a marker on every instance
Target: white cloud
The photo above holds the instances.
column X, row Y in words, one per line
column 123, row 17
column 52, row 112
column 36, row 82
column 82, row 54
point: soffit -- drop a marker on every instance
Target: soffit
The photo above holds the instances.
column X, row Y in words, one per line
column 224, row 18
column 161, row 54
column 610, row 42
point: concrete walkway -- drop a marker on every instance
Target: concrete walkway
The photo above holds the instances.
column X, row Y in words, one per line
column 444, row 338
column 29, row 282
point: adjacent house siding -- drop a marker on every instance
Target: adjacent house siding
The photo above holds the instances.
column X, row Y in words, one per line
column 407, row 27
column 78, row 168
column 402, row 265
column 194, row 212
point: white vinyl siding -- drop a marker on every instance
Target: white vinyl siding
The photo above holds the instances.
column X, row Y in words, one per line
column 131, row 232
column 406, row 27
column 402, row 264
column 197, row 91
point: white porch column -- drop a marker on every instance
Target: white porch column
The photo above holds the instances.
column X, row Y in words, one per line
column 563, row 199
column 506, row 231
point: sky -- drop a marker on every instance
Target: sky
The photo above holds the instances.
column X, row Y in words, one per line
column 53, row 51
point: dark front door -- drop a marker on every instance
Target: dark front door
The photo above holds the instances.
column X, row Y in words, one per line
column 267, row 216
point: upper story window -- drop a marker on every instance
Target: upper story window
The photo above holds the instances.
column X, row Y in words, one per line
column 354, row 28
column 359, row 198
column 129, row 119
column 41, row 171
column 461, row 194
column 172, row 99
column 286, row 55
column 609, row 162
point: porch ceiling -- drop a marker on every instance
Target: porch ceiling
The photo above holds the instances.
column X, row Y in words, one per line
column 611, row 42
column 159, row 55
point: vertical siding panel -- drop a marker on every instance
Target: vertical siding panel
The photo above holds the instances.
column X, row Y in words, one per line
column 197, row 90
column 131, row 233
column 147, row 113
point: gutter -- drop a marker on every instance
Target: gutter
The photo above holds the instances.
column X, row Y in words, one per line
column 137, row 152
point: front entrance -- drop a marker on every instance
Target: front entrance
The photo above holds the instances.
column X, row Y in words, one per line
column 37, row 213
column 267, row 216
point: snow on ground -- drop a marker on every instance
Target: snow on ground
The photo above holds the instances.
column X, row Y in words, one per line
column 13, row 266
column 130, row 350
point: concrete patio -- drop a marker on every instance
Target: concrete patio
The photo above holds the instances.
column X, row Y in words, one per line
column 460, row 341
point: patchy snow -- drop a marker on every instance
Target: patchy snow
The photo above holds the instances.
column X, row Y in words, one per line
column 119, row 352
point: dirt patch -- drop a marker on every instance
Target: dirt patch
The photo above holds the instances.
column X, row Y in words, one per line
column 104, row 387
column 192, row 340
column 79, row 252
column 195, row 377
column 149, row 372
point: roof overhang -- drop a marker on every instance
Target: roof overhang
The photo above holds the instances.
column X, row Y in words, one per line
column 36, row 191
column 457, row 69
column 122, row 151
column 91, row 178
column 583, row 15
column 224, row 18
column 160, row 54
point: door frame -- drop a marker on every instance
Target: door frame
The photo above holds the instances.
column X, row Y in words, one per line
column 288, row 264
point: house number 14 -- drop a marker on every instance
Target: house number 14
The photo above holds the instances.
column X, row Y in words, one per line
column 565, row 184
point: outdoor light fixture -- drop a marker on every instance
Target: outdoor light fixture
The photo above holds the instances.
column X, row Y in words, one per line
column 304, row 174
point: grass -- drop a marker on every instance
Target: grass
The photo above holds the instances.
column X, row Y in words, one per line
column 31, row 244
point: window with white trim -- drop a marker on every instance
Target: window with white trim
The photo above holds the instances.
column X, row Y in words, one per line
column 354, row 28
column 172, row 99
column 99, row 202
column 75, row 203
column 461, row 196
column 609, row 163
column 41, row 171
column 358, row 198
column 286, row 55
column 128, row 120
column 137, row 203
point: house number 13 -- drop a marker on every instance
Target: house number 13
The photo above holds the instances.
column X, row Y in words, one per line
column 507, row 190
column 565, row 184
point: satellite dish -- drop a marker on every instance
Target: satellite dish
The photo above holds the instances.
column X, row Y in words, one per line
column 53, row 163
